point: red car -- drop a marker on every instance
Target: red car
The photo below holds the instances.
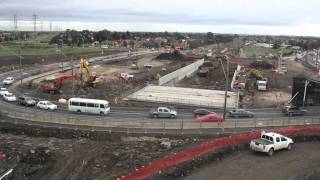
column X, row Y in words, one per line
column 210, row 118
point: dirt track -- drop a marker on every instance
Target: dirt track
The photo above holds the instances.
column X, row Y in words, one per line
column 303, row 162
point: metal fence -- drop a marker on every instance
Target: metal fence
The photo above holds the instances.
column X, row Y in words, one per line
column 145, row 124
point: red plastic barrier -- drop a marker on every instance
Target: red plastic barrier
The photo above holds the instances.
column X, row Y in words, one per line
column 209, row 147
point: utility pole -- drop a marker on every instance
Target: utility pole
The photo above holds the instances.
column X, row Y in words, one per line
column 305, row 92
column 34, row 17
column 20, row 62
column 50, row 26
column 15, row 22
column 72, row 75
column 226, row 91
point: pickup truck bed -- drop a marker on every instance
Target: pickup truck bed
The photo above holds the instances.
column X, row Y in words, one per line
column 262, row 141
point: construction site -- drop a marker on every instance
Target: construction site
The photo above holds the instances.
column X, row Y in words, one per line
column 138, row 99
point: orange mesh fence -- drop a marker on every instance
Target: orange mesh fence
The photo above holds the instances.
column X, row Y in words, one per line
column 210, row 147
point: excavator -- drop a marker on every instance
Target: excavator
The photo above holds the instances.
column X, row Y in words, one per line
column 55, row 87
column 90, row 79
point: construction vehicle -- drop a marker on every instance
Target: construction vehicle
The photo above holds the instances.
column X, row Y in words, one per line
column 55, row 87
column 90, row 79
column 134, row 65
column 262, row 84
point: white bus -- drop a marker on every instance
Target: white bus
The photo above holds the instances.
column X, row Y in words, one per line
column 93, row 106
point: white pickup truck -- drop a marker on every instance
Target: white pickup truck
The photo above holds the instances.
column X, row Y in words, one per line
column 270, row 142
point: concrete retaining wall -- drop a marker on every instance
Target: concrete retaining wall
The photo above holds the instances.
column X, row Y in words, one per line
column 172, row 78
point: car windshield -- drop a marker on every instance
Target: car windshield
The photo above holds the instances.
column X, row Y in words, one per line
column 49, row 103
column 9, row 95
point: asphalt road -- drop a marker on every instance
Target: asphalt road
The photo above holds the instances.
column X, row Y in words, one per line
column 125, row 113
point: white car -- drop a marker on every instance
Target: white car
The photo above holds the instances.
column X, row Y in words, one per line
column 9, row 97
column 270, row 142
column 8, row 81
column 3, row 91
column 47, row 105
column 126, row 76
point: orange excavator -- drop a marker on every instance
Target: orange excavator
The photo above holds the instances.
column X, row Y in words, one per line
column 55, row 87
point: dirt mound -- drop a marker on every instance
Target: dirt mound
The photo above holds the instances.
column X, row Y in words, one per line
column 171, row 56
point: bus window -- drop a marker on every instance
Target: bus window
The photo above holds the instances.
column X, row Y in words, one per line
column 83, row 104
column 96, row 105
column 90, row 104
column 101, row 106
column 74, row 103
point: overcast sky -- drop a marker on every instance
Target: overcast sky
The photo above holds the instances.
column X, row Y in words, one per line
column 279, row 17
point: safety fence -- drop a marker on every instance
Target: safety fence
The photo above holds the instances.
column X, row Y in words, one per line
column 210, row 147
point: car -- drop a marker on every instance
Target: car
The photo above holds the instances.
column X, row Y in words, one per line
column 201, row 112
column 293, row 110
column 9, row 97
column 163, row 112
column 26, row 101
column 236, row 113
column 47, row 105
column 270, row 142
column 8, row 81
column 126, row 76
column 3, row 91
column 210, row 118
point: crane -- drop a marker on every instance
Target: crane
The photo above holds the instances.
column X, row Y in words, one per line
column 90, row 79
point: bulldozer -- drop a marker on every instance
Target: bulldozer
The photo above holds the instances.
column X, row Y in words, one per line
column 90, row 79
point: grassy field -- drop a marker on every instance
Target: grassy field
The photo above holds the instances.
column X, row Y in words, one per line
column 31, row 49
column 252, row 51
column 43, row 38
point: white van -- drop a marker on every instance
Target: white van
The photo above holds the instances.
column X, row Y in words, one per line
column 93, row 106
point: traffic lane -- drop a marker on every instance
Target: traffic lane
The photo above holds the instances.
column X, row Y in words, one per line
column 132, row 116
column 122, row 117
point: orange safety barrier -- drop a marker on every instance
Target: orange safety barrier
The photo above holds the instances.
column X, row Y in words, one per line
column 210, row 147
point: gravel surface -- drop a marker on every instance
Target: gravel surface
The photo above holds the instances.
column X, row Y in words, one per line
column 302, row 163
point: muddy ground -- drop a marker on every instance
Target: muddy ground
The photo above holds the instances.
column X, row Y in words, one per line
column 302, row 163
column 111, row 86
column 214, row 80
column 48, row 154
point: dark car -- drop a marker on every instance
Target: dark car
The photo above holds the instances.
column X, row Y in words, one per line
column 201, row 112
column 236, row 113
column 26, row 101
column 293, row 110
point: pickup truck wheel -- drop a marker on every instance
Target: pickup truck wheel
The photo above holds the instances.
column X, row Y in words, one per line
column 155, row 116
column 270, row 152
column 289, row 147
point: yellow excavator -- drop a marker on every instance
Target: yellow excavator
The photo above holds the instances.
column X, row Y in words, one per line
column 90, row 79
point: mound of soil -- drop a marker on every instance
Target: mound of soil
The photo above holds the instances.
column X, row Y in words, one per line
column 171, row 56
